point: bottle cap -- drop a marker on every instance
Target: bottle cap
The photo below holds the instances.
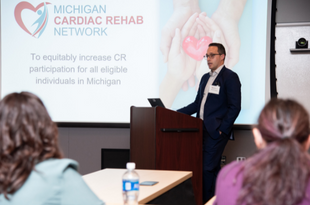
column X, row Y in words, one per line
column 131, row 165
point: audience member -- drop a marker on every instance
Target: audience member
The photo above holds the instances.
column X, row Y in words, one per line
column 32, row 170
column 278, row 173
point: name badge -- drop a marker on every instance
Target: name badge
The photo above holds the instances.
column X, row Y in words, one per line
column 215, row 89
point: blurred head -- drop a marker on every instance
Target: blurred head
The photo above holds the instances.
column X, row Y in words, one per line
column 27, row 136
column 281, row 167
column 281, row 120
column 216, row 55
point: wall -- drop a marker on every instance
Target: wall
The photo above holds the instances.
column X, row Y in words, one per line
column 289, row 11
column 84, row 144
column 292, row 70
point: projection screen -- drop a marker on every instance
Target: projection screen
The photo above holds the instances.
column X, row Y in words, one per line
column 90, row 61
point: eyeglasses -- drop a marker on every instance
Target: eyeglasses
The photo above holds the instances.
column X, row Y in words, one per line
column 211, row 56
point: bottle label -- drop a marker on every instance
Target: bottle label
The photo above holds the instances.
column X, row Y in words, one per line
column 130, row 185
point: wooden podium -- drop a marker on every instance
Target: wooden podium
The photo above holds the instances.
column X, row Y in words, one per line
column 163, row 139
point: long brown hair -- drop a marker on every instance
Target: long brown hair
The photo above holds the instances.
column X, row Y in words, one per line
column 279, row 173
column 27, row 136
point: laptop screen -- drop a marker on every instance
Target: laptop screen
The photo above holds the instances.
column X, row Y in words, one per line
column 156, row 102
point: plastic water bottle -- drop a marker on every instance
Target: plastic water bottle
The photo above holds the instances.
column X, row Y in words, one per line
column 130, row 185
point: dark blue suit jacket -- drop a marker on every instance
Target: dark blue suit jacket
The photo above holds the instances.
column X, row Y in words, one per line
column 220, row 110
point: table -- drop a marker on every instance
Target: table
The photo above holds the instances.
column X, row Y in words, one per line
column 107, row 184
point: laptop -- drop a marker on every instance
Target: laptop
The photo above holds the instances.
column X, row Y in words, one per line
column 156, row 102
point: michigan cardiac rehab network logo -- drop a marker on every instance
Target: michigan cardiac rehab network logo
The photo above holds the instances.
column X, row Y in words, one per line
column 35, row 24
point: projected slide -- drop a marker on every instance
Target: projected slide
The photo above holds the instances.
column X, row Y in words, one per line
column 89, row 61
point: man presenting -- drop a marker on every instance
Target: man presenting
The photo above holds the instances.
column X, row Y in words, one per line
column 218, row 103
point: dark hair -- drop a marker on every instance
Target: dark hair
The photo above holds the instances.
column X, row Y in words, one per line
column 27, row 136
column 278, row 174
column 220, row 48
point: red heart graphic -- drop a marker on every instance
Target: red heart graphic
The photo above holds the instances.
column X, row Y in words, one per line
column 196, row 49
column 18, row 12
